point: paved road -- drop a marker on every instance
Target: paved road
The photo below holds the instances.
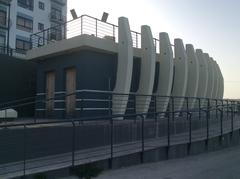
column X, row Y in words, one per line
column 224, row 164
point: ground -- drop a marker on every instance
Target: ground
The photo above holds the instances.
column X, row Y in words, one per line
column 223, row 164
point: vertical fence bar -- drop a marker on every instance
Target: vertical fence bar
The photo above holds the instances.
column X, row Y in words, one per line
column 168, row 130
column 31, row 42
column 111, row 144
column 216, row 103
column 73, row 143
column 155, row 107
column 24, row 150
column 232, row 119
column 199, row 109
column 173, row 116
column 227, row 109
column 221, row 118
column 43, row 38
column 142, row 153
column 208, row 118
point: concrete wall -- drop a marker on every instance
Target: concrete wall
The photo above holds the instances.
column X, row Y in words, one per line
column 95, row 71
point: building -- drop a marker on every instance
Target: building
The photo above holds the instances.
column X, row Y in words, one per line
column 27, row 17
column 4, row 24
column 70, row 69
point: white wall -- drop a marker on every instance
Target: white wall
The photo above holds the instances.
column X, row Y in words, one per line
column 39, row 16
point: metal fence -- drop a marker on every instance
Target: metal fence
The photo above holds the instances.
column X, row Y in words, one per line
column 12, row 52
column 84, row 24
column 39, row 145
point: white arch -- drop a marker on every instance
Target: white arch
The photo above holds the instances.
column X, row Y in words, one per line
column 193, row 75
column 165, row 72
column 124, row 66
column 180, row 74
column 203, row 75
column 216, row 79
column 148, row 63
column 220, row 85
column 211, row 80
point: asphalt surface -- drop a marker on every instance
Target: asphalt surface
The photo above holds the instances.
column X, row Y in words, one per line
column 223, row 164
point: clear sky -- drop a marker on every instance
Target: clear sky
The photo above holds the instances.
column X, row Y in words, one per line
column 212, row 25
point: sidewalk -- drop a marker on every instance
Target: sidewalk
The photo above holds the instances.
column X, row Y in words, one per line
column 222, row 164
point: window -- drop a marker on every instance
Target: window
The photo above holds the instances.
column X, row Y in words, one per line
column 24, row 24
column 41, row 5
column 40, row 26
column 2, row 43
column 3, row 18
column 22, row 45
column 2, row 40
column 27, row 4
column 56, row 14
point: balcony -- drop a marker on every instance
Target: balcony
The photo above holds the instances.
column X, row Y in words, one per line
column 55, row 17
column 60, row 2
column 5, row 2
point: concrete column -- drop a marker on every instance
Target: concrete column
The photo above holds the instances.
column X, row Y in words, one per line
column 180, row 74
column 124, row 67
column 193, row 75
column 165, row 72
column 203, row 75
column 148, row 63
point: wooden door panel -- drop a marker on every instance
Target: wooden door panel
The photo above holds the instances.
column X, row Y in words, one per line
column 70, row 90
column 50, row 90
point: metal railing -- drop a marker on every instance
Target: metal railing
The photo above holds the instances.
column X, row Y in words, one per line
column 12, row 52
column 84, row 24
column 30, row 147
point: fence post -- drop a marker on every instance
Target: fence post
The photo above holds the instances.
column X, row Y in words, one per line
column 31, row 41
column 24, row 150
column 173, row 116
column 221, row 117
column 199, row 109
column 155, row 107
column 227, row 109
column 208, row 118
column 142, row 153
column 168, row 130
column 216, row 103
column 232, row 120
column 73, row 143
column 111, row 143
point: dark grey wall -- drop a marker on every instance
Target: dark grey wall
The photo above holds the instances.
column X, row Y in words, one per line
column 18, row 80
column 95, row 71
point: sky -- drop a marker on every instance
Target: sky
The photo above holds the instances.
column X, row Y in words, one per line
column 211, row 25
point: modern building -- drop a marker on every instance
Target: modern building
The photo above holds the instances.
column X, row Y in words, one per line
column 4, row 24
column 27, row 17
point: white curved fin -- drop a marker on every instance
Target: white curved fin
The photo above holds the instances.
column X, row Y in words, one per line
column 165, row 72
column 216, row 78
column 193, row 75
column 148, row 63
column 124, row 67
column 203, row 75
column 180, row 74
column 211, row 81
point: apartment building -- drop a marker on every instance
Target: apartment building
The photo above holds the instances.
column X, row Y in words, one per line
column 20, row 18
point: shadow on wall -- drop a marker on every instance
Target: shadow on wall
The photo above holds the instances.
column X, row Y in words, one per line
column 18, row 81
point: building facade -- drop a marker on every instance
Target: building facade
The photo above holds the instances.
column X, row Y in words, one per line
column 27, row 17
column 4, row 24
